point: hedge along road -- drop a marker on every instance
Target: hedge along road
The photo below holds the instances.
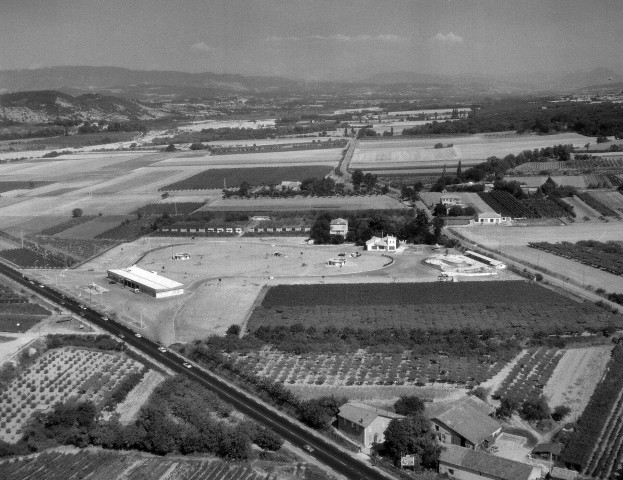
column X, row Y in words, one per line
column 325, row 451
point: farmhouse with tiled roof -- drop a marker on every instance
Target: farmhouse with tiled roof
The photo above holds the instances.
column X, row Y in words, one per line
column 363, row 423
column 465, row 422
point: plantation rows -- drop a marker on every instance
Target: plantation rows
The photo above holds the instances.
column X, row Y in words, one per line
column 129, row 230
column 234, row 177
column 602, row 180
column 591, row 253
column 364, row 368
column 505, row 308
column 79, row 249
column 506, row 204
column 597, row 205
column 60, row 375
column 596, row 445
column 66, row 225
column 606, row 162
column 545, row 208
column 7, row 295
column 529, row 376
column 15, row 322
column 26, row 258
column 114, row 466
column 176, row 208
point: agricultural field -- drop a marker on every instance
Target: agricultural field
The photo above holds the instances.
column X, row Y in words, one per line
column 597, row 205
column 605, row 256
column 129, row 408
column 545, row 208
column 613, row 200
column 106, row 465
column 582, row 211
column 595, row 447
column 363, row 368
column 67, row 225
column 26, row 258
column 513, row 241
column 128, row 230
column 506, row 204
column 7, row 186
column 234, row 177
column 60, row 375
column 17, row 314
column 577, row 374
column 267, row 204
column 206, row 124
column 173, row 208
column 530, row 374
column 325, row 156
column 414, row 154
column 507, row 308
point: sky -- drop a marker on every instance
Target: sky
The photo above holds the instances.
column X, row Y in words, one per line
column 315, row 39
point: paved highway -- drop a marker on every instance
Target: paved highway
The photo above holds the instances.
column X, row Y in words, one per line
column 288, row 428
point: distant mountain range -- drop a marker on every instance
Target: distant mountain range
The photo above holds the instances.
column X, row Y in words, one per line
column 162, row 85
column 45, row 106
column 140, row 83
column 529, row 82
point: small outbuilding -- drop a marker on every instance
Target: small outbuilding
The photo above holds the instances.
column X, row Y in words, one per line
column 384, row 244
column 547, row 451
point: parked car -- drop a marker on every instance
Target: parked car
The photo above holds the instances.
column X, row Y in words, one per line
column 162, row 349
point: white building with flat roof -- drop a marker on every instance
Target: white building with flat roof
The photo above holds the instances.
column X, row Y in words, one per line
column 146, row 281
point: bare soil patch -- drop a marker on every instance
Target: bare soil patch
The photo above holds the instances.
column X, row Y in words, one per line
column 575, row 378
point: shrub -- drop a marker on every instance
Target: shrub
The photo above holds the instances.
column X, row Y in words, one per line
column 560, row 412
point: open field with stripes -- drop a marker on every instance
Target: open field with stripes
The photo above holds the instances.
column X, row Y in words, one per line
column 419, row 155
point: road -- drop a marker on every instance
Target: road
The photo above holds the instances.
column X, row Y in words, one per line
column 291, row 430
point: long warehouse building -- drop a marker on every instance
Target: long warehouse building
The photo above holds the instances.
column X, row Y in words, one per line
column 146, row 281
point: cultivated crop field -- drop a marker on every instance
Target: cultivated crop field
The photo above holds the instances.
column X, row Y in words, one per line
column 605, row 256
column 57, row 376
column 530, row 374
column 413, row 153
column 363, row 368
column 108, row 465
column 506, row 307
column 325, row 156
column 17, row 314
column 233, row 177
column 364, row 202
column 514, row 241
column 597, row 445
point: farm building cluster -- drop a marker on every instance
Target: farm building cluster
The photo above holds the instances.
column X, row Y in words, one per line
column 468, row 432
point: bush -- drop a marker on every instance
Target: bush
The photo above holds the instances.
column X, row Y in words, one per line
column 480, row 392
column 560, row 412
column 409, row 405
column 535, row 409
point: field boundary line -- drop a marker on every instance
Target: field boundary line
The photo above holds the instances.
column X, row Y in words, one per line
column 258, row 301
